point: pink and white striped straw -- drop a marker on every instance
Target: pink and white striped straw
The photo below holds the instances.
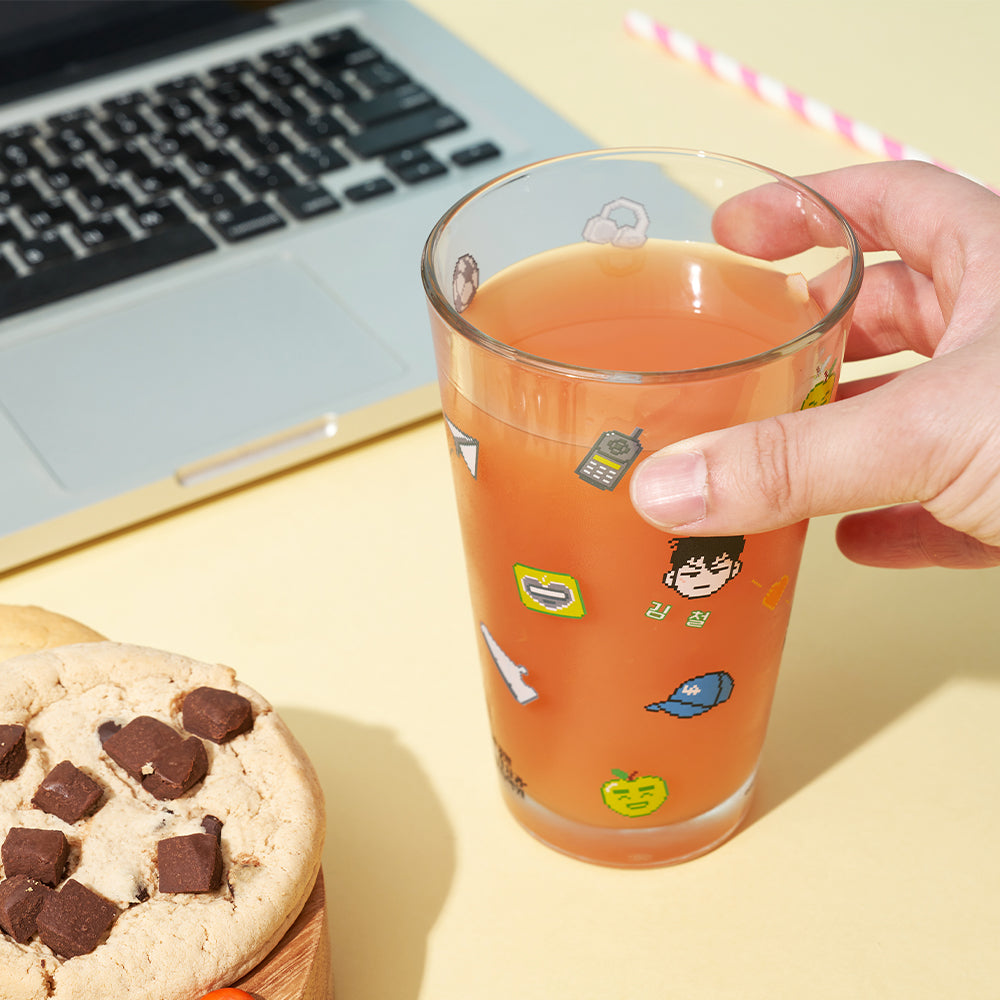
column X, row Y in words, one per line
column 773, row 92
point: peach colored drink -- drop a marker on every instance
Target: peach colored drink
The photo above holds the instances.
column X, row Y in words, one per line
column 628, row 674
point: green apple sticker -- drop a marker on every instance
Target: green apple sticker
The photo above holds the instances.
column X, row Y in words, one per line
column 630, row 795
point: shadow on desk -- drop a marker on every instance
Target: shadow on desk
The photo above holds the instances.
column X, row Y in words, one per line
column 865, row 647
column 389, row 857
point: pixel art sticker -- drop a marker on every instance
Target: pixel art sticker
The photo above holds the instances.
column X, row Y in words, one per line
column 550, row 593
column 464, row 281
column 602, row 228
column 505, row 766
column 631, row 795
column 610, row 458
column 512, row 674
column 774, row 593
column 696, row 696
column 466, row 447
column 822, row 388
column 700, row 567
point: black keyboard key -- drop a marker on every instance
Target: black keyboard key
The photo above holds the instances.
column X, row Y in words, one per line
column 398, row 101
column 71, row 141
column 72, row 277
column 77, row 177
column 102, row 232
column 267, row 177
column 125, row 102
column 14, row 190
column 374, row 188
column 159, row 180
column 105, row 196
column 179, row 110
column 339, row 42
column 17, row 153
column 475, row 154
column 405, row 131
column 319, row 160
column 127, row 157
column 319, row 128
column 282, row 77
column 246, row 221
column 308, row 200
column 331, row 63
column 225, row 126
column 179, row 85
column 160, row 215
column 214, row 195
column 7, row 273
column 381, row 75
column 73, row 117
column 174, row 142
column 284, row 106
column 420, row 170
column 26, row 131
column 284, row 54
column 404, row 157
column 267, row 145
column 125, row 124
column 230, row 92
column 27, row 195
column 231, row 70
column 44, row 251
column 213, row 162
column 50, row 213
column 329, row 93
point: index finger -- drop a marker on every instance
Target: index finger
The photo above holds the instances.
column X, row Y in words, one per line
column 923, row 212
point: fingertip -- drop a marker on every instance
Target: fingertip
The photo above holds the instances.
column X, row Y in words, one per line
column 909, row 537
column 668, row 489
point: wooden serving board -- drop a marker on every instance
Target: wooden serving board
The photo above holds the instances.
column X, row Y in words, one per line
column 299, row 968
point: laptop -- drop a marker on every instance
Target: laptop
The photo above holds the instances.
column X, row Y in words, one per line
column 211, row 218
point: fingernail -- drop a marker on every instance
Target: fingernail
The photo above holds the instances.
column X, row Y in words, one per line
column 669, row 490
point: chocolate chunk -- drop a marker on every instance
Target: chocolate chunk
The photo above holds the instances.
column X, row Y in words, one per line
column 158, row 756
column 106, row 730
column 73, row 920
column 189, row 864
column 21, row 898
column 216, row 715
column 41, row 854
column 134, row 746
column 212, row 825
column 68, row 793
column 13, row 752
column 177, row 768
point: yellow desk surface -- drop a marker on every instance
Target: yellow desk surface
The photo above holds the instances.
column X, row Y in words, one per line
column 869, row 867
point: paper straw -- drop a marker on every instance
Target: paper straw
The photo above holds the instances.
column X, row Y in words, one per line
column 773, row 92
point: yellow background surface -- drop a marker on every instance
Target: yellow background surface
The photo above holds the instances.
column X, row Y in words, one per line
column 869, row 866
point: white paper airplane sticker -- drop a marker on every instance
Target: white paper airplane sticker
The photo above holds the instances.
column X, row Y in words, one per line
column 512, row 674
column 466, row 447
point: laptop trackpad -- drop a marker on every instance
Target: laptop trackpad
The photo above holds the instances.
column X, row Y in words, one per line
column 134, row 394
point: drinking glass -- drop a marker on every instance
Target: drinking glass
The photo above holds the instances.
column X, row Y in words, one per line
column 587, row 311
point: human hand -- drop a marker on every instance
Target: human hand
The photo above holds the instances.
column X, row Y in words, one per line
column 922, row 446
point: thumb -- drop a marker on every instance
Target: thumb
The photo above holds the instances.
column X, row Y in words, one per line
column 857, row 452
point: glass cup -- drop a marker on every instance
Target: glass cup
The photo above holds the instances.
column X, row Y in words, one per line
column 587, row 311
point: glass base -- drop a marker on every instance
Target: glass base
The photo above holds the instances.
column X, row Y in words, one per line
column 648, row 847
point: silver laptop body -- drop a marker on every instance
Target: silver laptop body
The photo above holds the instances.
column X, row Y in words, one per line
column 287, row 327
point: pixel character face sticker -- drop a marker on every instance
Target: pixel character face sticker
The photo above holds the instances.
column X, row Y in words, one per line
column 700, row 567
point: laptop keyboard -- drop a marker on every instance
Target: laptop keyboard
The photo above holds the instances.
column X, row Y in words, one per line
column 149, row 178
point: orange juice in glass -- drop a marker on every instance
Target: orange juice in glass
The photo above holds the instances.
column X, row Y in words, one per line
column 584, row 315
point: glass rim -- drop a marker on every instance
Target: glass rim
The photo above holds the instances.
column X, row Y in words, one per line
column 830, row 319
